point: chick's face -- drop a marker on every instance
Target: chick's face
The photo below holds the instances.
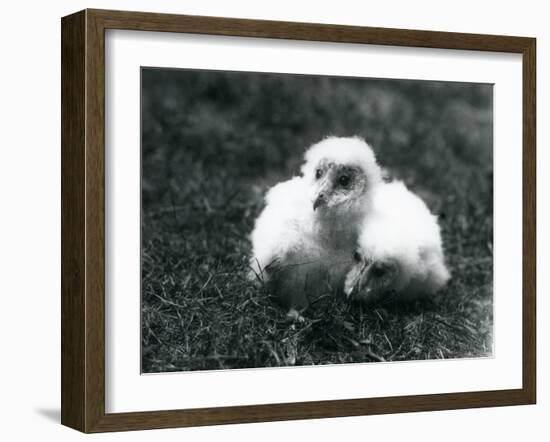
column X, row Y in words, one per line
column 337, row 184
column 369, row 280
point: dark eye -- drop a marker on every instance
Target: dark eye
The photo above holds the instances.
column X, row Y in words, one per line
column 357, row 256
column 318, row 173
column 344, row 180
column 378, row 271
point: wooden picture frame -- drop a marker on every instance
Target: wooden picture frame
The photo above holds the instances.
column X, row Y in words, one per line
column 83, row 220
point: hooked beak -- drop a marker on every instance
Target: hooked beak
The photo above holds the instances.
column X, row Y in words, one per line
column 350, row 292
column 319, row 201
column 360, row 280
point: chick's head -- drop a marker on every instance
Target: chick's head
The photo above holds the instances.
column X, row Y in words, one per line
column 369, row 280
column 341, row 171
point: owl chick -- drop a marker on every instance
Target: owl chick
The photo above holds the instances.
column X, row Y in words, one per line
column 303, row 239
column 399, row 253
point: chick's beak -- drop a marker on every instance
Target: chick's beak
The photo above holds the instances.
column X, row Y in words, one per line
column 357, row 284
column 319, row 201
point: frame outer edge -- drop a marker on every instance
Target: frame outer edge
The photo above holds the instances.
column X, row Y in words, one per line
column 73, row 132
column 529, row 222
column 94, row 191
column 197, row 24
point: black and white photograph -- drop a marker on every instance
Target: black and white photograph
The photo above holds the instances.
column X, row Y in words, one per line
column 300, row 220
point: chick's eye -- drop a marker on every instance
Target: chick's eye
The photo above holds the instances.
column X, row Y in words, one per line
column 357, row 256
column 318, row 173
column 344, row 180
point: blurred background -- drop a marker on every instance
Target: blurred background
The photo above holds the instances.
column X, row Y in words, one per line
column 214, row 142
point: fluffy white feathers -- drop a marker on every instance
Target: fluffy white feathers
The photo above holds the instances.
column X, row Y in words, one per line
column 304, row 238
column 346, row 151
column 284, row 225
column 399, row 250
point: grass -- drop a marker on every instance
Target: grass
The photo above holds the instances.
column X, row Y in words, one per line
column 213, row 142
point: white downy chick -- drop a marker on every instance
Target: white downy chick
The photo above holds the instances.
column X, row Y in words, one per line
column 303, row 240
column 399, row 253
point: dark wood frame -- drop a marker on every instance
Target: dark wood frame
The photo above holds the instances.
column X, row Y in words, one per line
column 83, row 216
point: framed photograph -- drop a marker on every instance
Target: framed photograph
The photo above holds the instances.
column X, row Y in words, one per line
column 267, row 220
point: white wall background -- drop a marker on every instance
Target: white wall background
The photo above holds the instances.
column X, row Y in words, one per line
column 30, row 216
